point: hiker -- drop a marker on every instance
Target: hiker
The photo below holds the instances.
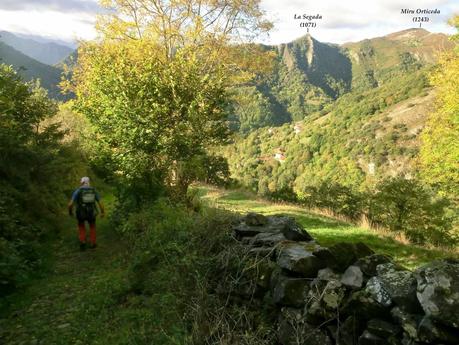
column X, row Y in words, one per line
column 85, row 198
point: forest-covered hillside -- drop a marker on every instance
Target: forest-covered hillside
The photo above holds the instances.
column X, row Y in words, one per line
column 309, row 75
column 49, row 53
column 359, row 139
column 378, row 127
column 29, row 69
column 360, row 154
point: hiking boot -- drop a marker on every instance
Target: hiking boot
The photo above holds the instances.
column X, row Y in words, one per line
column 93, row 246
column 82, row 247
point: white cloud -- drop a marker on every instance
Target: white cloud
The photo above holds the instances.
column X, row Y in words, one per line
column 62, row 26
column 352, row 20
column 82, row 6
column 343, row 20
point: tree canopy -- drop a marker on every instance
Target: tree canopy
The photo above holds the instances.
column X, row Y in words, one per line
column 439, row 154
column 154, row 85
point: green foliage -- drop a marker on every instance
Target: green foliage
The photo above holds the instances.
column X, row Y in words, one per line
column 148, row 114
column 253, row 108
column 327, row 231
column 294, row 88
column 35, row 172
column 400, row 205
column 327, row 161
column 31, row 69
column 439, row 155
column 340, row 199
column 308, row 76
column 405, row 206
column 204, row 168
column 337, row 147
column 180, row 251
column 18, row 245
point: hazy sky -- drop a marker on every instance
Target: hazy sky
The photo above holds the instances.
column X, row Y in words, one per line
column 343, row 21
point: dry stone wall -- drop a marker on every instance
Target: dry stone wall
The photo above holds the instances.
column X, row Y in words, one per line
column 345, row 294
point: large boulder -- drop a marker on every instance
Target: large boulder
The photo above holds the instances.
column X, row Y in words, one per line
column 401, row 287
column 364, row 305
column 333, row 294
column 438, row 291
column 255, row 219
column 350, row 330
column 298, row 258
column 377, row 290
column 369, row 263
column 253, row 224
column 352, row 277
column 292, row 230
column 341, row 255
column 290, row 291
column 324, row 301
column 408, row 322
column 266, row 239
column 433, row 333
column 327, row 274
column 368, row 338
column 394, row 286
column 383, row 328
column 243, row 230
column 388, row 268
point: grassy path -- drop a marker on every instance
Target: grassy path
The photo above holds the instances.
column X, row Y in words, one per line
column 80, row 299
column 86, row 297
column 325, row 230
column 58, row 308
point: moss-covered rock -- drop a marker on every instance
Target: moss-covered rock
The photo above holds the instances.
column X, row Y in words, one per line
column 438, row 291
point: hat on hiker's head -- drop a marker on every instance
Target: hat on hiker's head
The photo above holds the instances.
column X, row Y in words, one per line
column 85, row 181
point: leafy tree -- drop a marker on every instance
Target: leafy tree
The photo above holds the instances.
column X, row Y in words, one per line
column 439, row 155
column 405, row 206
column 155, row 85
column 36, row 167
column 206, row 25
column 252, row 109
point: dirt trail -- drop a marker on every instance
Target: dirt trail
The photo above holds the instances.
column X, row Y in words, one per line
column 66, row 305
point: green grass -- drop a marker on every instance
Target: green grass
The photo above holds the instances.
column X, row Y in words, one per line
column 82, row 297
column 87, row 297
column 325, row 230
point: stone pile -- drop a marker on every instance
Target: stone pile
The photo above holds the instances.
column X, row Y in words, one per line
column 346, row 294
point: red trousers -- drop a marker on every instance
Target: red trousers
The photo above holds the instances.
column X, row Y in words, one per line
column 92, row 232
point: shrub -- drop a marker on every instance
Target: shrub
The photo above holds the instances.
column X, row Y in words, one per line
column 330, row 195
column 406, row 206
column 35, row 171
column 189, row 255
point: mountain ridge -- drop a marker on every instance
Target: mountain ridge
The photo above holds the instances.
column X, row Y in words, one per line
column 309, row 74
column 30, row 68
column 49, row 53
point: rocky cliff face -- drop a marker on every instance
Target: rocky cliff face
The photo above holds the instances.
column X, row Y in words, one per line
column 323, row 65
column 309, row 75
column 345, row 294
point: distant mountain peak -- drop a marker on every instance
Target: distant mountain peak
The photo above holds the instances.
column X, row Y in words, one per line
column 30, row 69
column 49, row 53
column 408, row 34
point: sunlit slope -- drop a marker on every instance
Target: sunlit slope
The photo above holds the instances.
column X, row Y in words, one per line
column 378, row 59
column 327, row 231
column 31, row 69
column 378, row 126
column 309, row 75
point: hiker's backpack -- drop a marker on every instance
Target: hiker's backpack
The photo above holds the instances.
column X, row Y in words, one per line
column 86, row 204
